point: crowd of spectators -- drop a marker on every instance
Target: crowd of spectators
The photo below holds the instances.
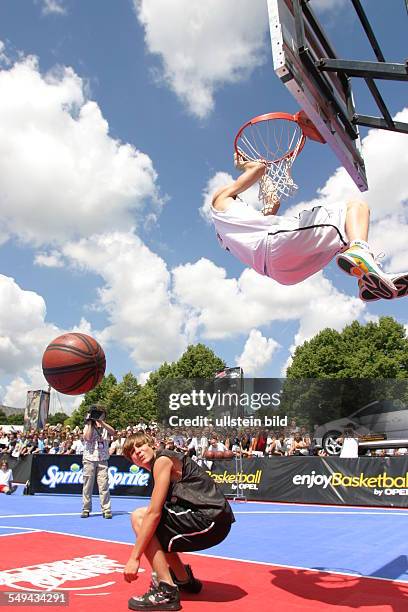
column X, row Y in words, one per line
column 63, row 440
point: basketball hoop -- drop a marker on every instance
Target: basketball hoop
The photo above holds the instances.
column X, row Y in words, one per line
column 275, row 139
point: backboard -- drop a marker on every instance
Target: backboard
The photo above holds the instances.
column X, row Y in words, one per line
column 298, row 44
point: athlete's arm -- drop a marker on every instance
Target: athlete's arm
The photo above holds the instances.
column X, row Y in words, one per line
column 253, row 172
column 162, row 472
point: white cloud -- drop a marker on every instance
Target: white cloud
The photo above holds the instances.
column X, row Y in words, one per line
column 258, row 352
column 204, row 45
column 230, row 306
column 136, row 296
column 24, row 335
column 58, row 140
column 49, row 260
column 143, row 377
column 53, row 7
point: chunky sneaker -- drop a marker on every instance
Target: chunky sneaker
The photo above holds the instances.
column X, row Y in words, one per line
column 160, row 596
column 107, row 514
column 368, row 292
column 192, row 585
column 85, row 514
column 361, row 264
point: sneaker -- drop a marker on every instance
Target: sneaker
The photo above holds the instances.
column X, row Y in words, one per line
column 192, row 585
column 360, row 263
column 85, row 514
column 368, row 292
column 107, row 515
column 159, row 597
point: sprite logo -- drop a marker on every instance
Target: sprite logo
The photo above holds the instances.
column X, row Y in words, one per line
column 135, row 477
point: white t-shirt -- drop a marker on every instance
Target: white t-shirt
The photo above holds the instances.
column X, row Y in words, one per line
column 349, row 450
column 6, row 477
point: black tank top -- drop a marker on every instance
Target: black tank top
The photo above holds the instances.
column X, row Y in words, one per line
column 196, row 489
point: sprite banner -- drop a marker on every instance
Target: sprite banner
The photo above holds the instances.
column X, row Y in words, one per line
column 366, row 481
column 63, row 474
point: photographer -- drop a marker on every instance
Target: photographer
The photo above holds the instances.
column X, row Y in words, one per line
column 97, row 436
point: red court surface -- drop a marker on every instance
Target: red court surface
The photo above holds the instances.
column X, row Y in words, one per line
column 90, row 571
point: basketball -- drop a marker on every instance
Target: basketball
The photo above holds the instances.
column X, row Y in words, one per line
column 228, row 454
column 73, row 363
column 209, row 455
column 218, row 455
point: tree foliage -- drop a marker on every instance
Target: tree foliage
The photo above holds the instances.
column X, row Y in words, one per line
column 374, row 350
column 335, row 373
column 129, row 403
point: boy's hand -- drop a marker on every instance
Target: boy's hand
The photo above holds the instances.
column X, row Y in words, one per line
column 242, row 163
column 131, row 570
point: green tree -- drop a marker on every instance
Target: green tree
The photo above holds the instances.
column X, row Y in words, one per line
column 374, row 350
column 95, row 396
column 198, row 361
column 3, row 418
column 16, row 419
column 121, row 402
column 57, row 417
column 335, row 373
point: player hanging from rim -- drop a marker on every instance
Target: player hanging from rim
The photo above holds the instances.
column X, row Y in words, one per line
column 187, row 512
column 290, row 249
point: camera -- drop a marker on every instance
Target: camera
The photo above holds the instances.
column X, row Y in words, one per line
column 95, row 414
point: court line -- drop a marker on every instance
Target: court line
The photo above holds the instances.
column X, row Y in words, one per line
column 5, row 516
column 4, row 535
column 276, row 565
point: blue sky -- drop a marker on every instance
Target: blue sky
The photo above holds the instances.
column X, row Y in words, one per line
column 117, row 120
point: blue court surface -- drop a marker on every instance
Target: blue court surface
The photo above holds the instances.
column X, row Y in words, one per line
column 322, row 556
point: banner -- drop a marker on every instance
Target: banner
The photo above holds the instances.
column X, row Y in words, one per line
column 366, row 481
column 36, row 412
column 63, row 474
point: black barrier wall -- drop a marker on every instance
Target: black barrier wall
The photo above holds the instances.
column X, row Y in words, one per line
column 63, row 474
column 366, row 481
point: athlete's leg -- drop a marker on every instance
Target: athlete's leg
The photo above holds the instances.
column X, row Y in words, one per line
column 357, row 260
column 357, row 220
column 153, row 552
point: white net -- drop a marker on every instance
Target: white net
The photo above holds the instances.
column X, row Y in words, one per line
column 270, row 141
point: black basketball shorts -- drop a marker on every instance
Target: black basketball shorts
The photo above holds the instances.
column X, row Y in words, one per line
column 184, row 529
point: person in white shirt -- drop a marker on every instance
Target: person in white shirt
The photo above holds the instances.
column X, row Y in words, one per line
column 289, row 249
column 349, row 441
column 97, row 434
column 6, row 479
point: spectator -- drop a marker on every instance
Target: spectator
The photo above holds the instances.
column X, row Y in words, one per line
column 6, row 479
column 97, row 434
column 349, row 442
column 299, row 446
column 215, row 445
column 78, row 444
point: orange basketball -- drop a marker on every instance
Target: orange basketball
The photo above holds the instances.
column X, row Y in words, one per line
column 73, row 363
column 218, row 455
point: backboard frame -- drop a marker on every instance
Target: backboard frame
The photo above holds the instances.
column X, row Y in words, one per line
column 298, row 44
